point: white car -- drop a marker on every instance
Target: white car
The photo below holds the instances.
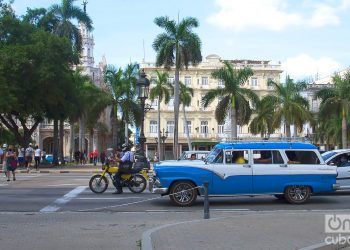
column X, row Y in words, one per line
column 341, row 159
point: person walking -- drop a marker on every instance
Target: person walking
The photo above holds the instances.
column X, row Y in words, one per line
column 103, row 157
column 95, row 156
column 11, row 163
column 37, row 155
column 28, row 155
column 20, row 157
column 3, row 159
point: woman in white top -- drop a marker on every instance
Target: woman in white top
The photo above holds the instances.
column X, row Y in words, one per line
column 37, row 155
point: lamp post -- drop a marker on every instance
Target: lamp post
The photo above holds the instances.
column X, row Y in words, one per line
column 142, row 93
column 163, row 137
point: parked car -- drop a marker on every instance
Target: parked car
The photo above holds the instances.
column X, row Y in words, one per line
column 198, row 154
column 290, row 170
column 341, row 159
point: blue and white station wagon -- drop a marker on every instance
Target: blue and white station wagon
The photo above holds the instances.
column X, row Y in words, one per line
column 290, row 170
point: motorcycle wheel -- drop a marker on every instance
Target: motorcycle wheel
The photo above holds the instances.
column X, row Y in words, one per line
column 137, row 183
column 98, row 184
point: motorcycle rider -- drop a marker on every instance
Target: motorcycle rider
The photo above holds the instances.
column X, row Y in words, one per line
column 125, row 166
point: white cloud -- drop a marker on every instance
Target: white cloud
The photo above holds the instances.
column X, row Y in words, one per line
column 276, row 14
column 304, row 66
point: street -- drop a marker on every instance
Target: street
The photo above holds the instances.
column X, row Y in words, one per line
column 58, row 211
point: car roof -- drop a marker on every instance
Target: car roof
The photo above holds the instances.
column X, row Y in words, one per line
column 339, row 150
column 265, row 145
column 196, row 151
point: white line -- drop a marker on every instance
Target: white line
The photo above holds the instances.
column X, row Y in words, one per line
column 59, row 185
column 63, row 200
column 230, row 209
column 108, row 198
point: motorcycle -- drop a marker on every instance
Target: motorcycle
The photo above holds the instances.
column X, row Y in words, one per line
column 136, row 182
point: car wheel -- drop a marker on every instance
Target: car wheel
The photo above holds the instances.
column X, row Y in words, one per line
column 297, row 194
column 183, row 193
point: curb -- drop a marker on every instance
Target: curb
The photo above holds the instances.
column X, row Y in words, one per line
column 325, row 246
column 92, row 171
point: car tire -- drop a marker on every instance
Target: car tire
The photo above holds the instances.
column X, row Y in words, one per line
column 297, row 194
column 183, row 193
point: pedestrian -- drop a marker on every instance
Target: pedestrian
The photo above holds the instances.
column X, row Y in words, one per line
column 103, row 157
column 3, row 159
column 37, row 155
column 28, row 155
column 77, row 156
column 11, row 163
column 20, row 157
column 95, row 156
column 155, row 158
column 43, row 156
column 1, row 154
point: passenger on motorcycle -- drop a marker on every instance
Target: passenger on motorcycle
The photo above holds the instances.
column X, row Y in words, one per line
column 125, row 167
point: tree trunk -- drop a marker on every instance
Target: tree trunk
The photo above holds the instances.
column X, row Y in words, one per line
column 126, row 132
column 344, row 132
column 114, row 128
column 295, row 130
column 176, row 115
column 187, row 132
column 55, row 142
column 72, row 141
column 82, row 146
column 287, row 130
column 233, row 124
column 160, row 153
column 61, row 141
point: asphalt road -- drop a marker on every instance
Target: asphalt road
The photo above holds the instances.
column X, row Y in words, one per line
column 70, row 193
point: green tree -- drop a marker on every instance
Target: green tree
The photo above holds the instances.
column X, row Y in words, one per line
column 233, row 96
column 186, row 94
column 178, row 46
column 336, row 100
column 289, row 106
column 32, row 63
column 160, row 91
column 261, row 123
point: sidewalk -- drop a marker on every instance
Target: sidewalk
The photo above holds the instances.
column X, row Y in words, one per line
column 247, row 230
column 87, row 168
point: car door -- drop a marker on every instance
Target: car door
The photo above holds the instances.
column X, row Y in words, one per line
column 268, row 170
column 342, row 161
column 233, row 175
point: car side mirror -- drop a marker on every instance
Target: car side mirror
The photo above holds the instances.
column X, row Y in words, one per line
column 331, row 163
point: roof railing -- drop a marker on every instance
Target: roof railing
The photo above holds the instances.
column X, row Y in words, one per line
column 271, row 139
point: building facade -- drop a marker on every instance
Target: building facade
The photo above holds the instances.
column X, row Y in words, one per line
column 204, row 130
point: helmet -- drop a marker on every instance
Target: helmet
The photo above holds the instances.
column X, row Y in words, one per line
column 125, row 147
column 4, row 146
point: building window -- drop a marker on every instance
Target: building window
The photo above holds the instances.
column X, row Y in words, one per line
column 205, row 80
column 221, row 83
column 220, row 128
column 171, row 80
column 153, row 79
column 204, row 127
column 201, row 103
column 171, row 102
column 269, row 80
column 155, row 103
column 153, row 127
column 88, row 54
column 187, row 80
column 254, row 81
column 170, row 126
column 189, row 126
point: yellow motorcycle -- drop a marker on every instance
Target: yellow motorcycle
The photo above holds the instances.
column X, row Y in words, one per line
column 136, row 182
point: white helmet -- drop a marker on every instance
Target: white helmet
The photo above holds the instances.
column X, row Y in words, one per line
column 4, row 146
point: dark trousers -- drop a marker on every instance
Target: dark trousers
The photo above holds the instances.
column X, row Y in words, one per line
column 37, row 161
column 123, row 169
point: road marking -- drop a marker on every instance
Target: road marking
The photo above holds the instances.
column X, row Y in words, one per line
column 121, row 198
column 63, row 200
column 59, row 185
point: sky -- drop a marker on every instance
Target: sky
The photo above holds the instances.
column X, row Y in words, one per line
column 309, row 37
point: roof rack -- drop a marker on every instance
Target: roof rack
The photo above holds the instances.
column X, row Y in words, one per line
column 272, row 139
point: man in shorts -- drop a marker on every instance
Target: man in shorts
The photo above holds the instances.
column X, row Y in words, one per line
column 28, row 156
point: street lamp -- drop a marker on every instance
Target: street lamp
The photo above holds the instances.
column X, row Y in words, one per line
column 163, row 137
column 142, row 93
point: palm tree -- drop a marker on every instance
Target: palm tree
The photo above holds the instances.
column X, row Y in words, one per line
column 65, row 13
column 123, row 100
column 289, row 106
column 186, row 94
column 233, row 96
column 261, row 123
column 161, row 91
column 178, row 46
column 336, row 100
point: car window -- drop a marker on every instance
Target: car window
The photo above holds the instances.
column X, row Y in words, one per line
column 267, row 157
column 236, row 157
column 328, row 155
column 302, row 157
column 342, row 160
column 214, row 155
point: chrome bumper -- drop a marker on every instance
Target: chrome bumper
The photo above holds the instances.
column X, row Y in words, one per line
column 159, row 190
column 336, row 186
column 155, row 186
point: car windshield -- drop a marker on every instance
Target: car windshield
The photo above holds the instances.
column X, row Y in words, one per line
column 328, row 155
column 213, row 154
